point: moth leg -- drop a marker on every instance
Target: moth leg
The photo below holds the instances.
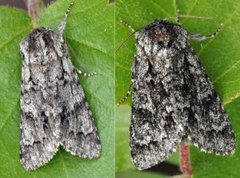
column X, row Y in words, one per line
column 85, row 74
column 200, row 37
column 125, row 97
column 61, row 26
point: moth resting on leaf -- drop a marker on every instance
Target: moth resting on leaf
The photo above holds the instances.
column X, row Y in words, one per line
column 54, row 110
column 173, row 99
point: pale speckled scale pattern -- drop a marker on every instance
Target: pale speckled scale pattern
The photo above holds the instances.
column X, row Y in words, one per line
column 173, row 99
column 54, row 110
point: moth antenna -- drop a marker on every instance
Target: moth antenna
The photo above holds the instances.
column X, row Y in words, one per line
column 200, row 37
column 125, row 97
column 61, row 26
column 128, row 25
column 80, row 72
column 133, row 32
column 85, row 74
column 68, row 10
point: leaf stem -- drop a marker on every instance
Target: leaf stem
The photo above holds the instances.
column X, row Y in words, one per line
column 32, row 7
column 185, row 164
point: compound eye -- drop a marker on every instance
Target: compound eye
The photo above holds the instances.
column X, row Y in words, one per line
column 161, row 37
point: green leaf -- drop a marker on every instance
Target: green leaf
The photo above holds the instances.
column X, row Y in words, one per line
column 138, row 174
column 219, row 56
column 89, row 35
column 123, row 159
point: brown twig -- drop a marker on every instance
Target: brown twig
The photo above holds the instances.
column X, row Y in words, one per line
column 33, row 9
column 185, row 164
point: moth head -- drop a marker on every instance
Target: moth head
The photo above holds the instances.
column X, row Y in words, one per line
column 162, row 34
column 40, row 46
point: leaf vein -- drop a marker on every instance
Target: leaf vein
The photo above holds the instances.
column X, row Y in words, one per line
column 227, row 71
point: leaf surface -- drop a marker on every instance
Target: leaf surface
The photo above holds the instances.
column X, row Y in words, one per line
column 89, row 35
column 219, row 56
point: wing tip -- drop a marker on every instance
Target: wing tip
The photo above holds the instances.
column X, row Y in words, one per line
column 224, row 151
column 152, row 161
column 89, row 154
column 33, row 167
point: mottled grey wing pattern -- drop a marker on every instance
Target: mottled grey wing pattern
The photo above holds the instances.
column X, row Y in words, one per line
column 173, row 99
column 39, row 139
column 208, row 125
column 54, row 110
column 157, row 122
column 78, row 132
